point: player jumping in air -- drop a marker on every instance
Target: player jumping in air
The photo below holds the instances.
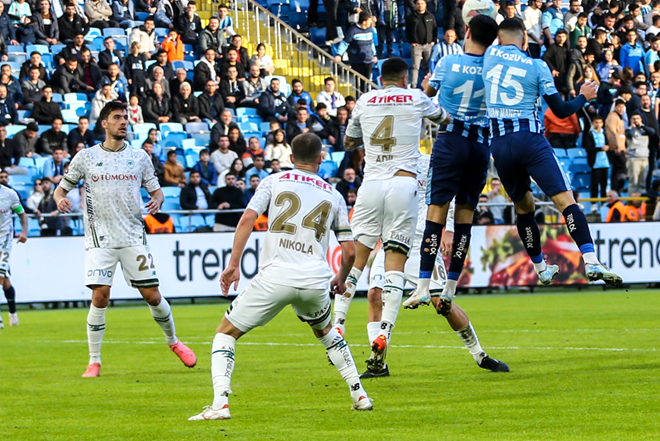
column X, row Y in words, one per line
column 388, row 122
column 113, row 173
column 514, row 81
column 293, row 270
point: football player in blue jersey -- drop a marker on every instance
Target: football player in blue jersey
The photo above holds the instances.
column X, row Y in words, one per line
column 460, row 158
column 514, row 82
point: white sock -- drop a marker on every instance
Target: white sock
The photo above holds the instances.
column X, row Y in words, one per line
column 95, row 331
column 471, row 341
column 538, row 267
column 343, row 301
column 340, row 355
column 222, row 366
column 423, row 284
column 590, row 258
column 373, row 328
column 163, row 316
column 392, row 295
column 450, row 288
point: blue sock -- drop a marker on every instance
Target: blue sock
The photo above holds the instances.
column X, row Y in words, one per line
column 460, row 247
column 577, row 225
column 530, row 234
column 429, row 248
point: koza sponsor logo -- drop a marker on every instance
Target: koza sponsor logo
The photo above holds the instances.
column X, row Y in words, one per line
column 113, row 177
column 460, row 249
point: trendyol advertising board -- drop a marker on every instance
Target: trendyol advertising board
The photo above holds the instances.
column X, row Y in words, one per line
column 188, row 265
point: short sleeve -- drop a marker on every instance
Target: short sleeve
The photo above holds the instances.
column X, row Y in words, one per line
column 75, row 173
column 261, row 199
column 340, row 223
column 429, row 109
column 149, row 178
column 546, row 19
column 354, row 129
column 546, row 82
column 438, row 75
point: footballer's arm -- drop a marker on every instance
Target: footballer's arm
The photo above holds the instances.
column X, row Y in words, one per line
column 338, row 283
column 351, row 143
column 22, row 236
column 63, row 204
column 157, row 197
column 232, row 274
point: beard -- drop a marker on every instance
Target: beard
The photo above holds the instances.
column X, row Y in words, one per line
column 118, row 137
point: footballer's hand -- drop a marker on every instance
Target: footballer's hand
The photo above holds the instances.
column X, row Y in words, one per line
column 230, row 275
column 153, row 206
column 447, row 242
column 64, row 205
column 22, row 237
column 426, row 80
column 337, row 286
column 589, row 90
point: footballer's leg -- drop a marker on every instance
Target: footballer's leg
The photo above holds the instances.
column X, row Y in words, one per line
column 10, row 295
column 375, row 297
column 96, row 328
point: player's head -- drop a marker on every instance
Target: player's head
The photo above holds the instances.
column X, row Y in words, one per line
column 482, row 31
column 114, row 119
column 4, row 178
column 394, row 72
column 511, row 32
column 307, row 150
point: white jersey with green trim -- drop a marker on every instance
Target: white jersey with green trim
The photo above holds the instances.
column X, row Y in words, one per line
column 302, row 208
column 113, row 213
column 10, row 203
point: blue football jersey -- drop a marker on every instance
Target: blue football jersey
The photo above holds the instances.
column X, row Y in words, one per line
column 459, row 81
column 514, row 82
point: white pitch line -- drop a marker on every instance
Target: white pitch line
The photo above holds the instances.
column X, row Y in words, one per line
column 250, row 343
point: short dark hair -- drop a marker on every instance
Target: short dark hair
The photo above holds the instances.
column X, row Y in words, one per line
column 364, row 16
column 222, row 6
column 83, row 117
column 295, row 81
column 192, row 3
column 596, row 118
column 342, row 108
column 110, row 107
column 57, row 118
column 71, row 59
column 204, row 151
column 394, row 69
column 483, row 30
column 171, row 152
column 150, row 18
column 255, row 176
column 583, row 15
column 259, row 156
column 350, row 98
column 35, row 68
column 328, row 79
column 306, row 148
column 209, row 49
column 320, row 106
column 230, row 173
column 35, row 53
column 512, row 25
column 274, row 160
column 193, row 172
column 106, row 39
column 58, row 148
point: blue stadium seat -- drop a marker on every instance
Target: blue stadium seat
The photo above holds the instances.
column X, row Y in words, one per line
column 58, row 98
column 191, row 160
column 17, row 57
column 149, row 63
column 170, row 204
column 13, row 49
column 144, row 127
column 337, row 157
column 396, row 50
column 265, row 127
column 188, row 65
column 328, row 168
column 142, row 16
column 21, row 179
column 248, row 127
column 93, row 32
column 579, row 168
column 165, row 128
column 41, row 48
column 26, row 162
column 22, row 114
column 298, row 20
column 112, row 32
column 577, row 153
column 406, row 50
column 580, row 160
column 57, row 48
column 197, row 127
column 171, row 192
column 34, row 229
column 187, row 144
column 161, row 32
column 66, row 128
column 560, row 153
column 70, row 116
column 47, row 60
column 42, row 129
column 15, row 67
column 97, row 44
column 75, row 97
column 174, row 139
column 14, row 129
column 243, row 111
column 581, row 181
column 317, row 35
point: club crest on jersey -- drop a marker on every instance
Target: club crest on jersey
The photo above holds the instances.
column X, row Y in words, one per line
column 130, row 163
column 99, row 164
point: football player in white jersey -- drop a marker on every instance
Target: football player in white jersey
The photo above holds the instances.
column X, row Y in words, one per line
column 10, row 203
column 113, row 173
column 293, row 270
column 388, row 122
column 457, row 319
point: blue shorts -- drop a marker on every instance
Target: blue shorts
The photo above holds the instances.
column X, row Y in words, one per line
column 458, row 168
column 521, row 155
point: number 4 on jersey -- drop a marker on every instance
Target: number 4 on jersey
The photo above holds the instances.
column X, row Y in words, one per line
column 383, row 135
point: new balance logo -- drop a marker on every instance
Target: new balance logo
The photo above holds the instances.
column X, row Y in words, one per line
column 355, row 387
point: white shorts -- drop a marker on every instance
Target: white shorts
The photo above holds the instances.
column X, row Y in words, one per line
column 386, row 209
column 261, row 301
column 137, row 264
column 377, row 273
column 5, row 253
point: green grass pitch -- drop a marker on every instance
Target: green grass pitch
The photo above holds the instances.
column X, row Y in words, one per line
column 584, row 366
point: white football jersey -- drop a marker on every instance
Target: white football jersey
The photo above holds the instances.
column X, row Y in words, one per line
column 302, row 208
column 113, row 214
column 10, row 203
column 390, row 122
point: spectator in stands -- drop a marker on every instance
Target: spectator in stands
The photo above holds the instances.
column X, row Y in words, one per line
column 236, row 141
column 54, row 167
column 562, row 133
column 70, row 24
column 45, row 110
column 226, row 22
column 632, row 53
column 185, row 107
column 212, row 37
column 7, row 30
column 148, row 147
column 280, row 150
column 263, row 61
column 532, row 19
column 257, row 169
column 19, row 9
column 359, row 44
column 608, row 66
column 8, row 113
column 275, row 166
column 67, row 79
column 175, row 84
column 221, row 128
column 162, row 62
column 484, row 215
column 252, row 88
column 455, row 20
column 637, row 140
column 34, row 61
column 557, row 58
column 222, row 158
column 581, row 29
column 211, row 103
column 10, row 153
column 594, row 142
column 248, row 193
column 616, row 139
column 302, row 124
column 300, row 104
column 331, row 98
column 134, row 70
column 447, row 47
column 350, row 104
column 99, row 13
column 206, row 69
column 195, row 195
column 47, row 208
column 109, row 55
column 89, row 72
column 189, row 26
column 324, row 125
column 228, row 197
column 242, row 57
column 494, row 196
column 231, row 60
column 297, row 93
column 158, row 77
column 237, row 168
column 123, row 12
column 341, row 124
column 32, row 202
column 135, row 111
column 618, row 211
column 274, row 127
column 52, row 139
column 13, row 87
column 165, row 13
column 348, row 181
column 173, row 46
column 174, row 175
column 553, row 18
column 81, row 134
column 273, row 103
column 146, row 36
column 253, row 149
column 102, row 97
column 206, row 169
column 117, row 81
column 45, row 24
column 421, row 33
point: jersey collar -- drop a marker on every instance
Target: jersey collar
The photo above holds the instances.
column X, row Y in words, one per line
column 113, row 151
